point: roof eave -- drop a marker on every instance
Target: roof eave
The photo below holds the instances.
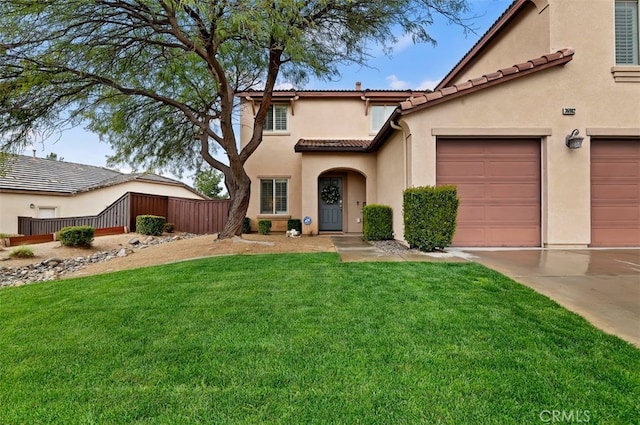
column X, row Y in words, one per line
column 330, row 149
column 488, row 84
column 506, row 17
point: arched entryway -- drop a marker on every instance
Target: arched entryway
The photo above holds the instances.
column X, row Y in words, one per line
column 341, row 196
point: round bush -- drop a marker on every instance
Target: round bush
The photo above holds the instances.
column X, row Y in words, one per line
column 264, row 227
column 150, row 225
column 76, row 236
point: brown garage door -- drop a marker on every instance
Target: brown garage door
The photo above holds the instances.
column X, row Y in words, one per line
column 499, row 189
column 615, row 192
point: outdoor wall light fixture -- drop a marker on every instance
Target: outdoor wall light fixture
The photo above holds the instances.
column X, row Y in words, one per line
column 32, row 206
column 574, row 140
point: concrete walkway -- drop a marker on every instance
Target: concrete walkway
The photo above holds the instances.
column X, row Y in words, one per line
column 352, row 248
column 601, row 285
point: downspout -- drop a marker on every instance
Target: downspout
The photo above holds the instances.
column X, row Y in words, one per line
column 405, row 154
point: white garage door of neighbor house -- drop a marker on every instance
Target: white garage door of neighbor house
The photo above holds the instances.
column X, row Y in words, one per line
column 46, row 212
column 615, row 192
column 499, row 189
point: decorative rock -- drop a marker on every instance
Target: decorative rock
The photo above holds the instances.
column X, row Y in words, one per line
column 51, row 262
column 55, row 268
column 134, row 241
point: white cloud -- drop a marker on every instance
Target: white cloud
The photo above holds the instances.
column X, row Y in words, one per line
column 283, row 86
column 402, row 43
column 397, row 84
column 427, row 84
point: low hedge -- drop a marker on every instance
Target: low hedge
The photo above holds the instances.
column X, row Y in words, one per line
column 377, row 222
column 294, row 223
column 246, row 225
column 264, row 227
column 76, row 236
column 150, row 225
column 430, row 215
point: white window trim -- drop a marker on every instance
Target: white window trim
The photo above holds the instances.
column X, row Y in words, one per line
column 273, row 212
column 637, row 40
column 272, row 110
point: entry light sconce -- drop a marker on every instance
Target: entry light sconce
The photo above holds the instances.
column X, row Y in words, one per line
column 32, row 206
column 574, row 140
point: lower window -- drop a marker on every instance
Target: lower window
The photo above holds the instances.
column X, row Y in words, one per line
column 274, row 197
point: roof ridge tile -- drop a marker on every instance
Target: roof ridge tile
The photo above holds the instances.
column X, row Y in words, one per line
column 559, row 57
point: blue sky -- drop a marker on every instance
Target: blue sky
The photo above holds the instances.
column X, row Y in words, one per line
column 409, row 67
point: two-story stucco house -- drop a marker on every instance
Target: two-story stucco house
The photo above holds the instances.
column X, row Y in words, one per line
column 497, row 126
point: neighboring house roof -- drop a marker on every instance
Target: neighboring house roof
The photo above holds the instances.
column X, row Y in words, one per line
column 507, row 16
column 445, row 94
column 332, row 145
column 25, row 173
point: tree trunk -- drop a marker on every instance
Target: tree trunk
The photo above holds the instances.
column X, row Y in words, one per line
column 239, row 186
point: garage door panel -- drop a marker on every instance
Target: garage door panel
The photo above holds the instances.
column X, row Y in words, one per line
column 470, row 213
column 498, row 185
column 615, row 192
column 471, row 191
column 514, row 190
column 622, row 237
column 462, row 169
column 629, row 213
column 512, row 214
column 613, row 169
column 500, row 234
column 604, row 193
column 518, row 169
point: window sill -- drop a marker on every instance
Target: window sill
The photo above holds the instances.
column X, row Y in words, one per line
column 276, row 133
column 274, row 216
column 626, row 73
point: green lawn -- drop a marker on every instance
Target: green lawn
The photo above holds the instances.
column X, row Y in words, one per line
column 303, row 338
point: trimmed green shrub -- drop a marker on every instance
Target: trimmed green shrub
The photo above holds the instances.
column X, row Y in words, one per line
column 294, row 223
column 377, row 222
column 246, row 225
column 430, row 215
column 150, row 225
column 21, row 252
column 264, row 227
column 76, row 236
column 169, row 227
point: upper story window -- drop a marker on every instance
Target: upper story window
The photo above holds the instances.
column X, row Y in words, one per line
column 276, row 119
column 627, row 39
column 379, row 115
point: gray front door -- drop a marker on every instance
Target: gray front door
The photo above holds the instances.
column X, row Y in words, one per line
column 330, row 201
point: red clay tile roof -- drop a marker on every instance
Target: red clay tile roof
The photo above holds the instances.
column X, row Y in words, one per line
column 373, row 95
column 333, row 145
column 488, row 80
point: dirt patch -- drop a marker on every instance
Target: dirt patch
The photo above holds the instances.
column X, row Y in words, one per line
column 184, row 249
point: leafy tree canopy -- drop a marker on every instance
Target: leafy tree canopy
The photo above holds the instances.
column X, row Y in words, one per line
column 209, row 182
column 157, row 78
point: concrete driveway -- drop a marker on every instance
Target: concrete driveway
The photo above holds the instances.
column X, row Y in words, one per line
column 603, row 286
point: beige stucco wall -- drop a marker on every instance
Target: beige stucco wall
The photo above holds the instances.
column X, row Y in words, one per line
column 391, row 181
column 361, row 183
column 275, row 158
column 13, row 205
column 526, row 37
column 532, row 106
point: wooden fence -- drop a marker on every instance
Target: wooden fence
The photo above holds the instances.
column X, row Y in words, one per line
column 188, row 215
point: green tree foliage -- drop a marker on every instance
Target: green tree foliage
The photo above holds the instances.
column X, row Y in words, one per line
column 54, row 157
column 157, row 79
column 209, row 182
